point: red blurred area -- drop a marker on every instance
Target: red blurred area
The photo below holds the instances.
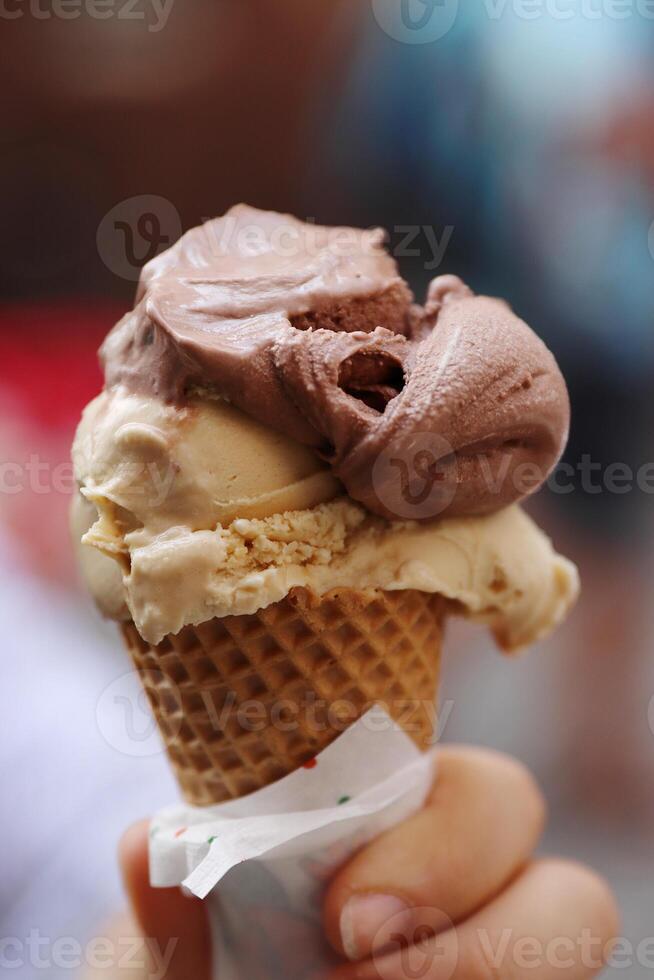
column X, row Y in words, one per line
column 50, row 370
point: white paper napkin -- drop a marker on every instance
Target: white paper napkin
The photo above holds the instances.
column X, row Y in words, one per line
column 271, row 853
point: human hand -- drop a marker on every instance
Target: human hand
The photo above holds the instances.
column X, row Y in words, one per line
column 453, row 893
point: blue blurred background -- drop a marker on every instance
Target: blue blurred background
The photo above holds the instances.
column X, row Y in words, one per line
column 508, row 142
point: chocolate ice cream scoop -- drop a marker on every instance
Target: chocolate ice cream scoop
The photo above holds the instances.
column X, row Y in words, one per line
column 453, row 408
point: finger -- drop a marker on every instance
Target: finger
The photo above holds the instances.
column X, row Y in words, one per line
column 133, row 959
column 480, row 826
column 555, row 922
column 175, row 926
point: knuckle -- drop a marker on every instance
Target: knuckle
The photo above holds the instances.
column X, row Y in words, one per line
column 536, row 806
column 594, row 897
column 524, row 786
column 502, row 775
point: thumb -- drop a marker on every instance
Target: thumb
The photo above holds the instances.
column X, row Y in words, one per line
column 175, row 927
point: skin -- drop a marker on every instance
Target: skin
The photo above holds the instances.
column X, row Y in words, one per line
column 464, row 866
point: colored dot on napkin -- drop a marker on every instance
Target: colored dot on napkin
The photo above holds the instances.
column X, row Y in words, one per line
column 310, row 764
column 344, row 799
column 182, row 830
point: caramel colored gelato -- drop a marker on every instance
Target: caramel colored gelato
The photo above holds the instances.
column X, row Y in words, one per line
column 143, row 462
column 196, row 533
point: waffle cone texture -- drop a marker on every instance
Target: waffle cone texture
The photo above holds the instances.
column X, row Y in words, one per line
column 242, row 701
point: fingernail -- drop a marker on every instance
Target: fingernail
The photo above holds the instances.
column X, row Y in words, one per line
column 367, row 922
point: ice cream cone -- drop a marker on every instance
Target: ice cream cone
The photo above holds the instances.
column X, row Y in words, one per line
column 277, row 416
column 241, row 701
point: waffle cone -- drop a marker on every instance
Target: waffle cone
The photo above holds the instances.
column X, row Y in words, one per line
column 241, row 701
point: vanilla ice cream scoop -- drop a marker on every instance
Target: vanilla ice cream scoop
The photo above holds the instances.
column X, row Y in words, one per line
column 147, row 464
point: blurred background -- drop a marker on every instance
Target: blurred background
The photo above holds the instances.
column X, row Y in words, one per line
column 510, row 143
